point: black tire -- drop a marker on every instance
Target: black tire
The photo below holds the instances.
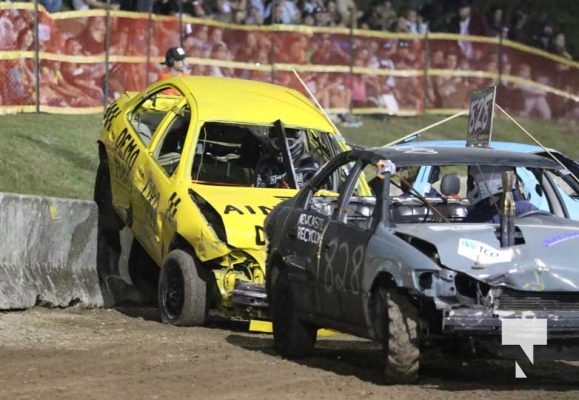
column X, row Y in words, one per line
column 108, row 218
column 401, row 338
column 182, row 292
column 292, row 338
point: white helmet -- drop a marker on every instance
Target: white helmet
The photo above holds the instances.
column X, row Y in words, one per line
column 488, row 182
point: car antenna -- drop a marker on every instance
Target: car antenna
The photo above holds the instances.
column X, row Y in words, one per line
column 416, row 134
column 316, row 102
column 537, row 142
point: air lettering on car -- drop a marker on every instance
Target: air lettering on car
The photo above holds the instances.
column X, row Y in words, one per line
column 229, row 208
column 259, row 235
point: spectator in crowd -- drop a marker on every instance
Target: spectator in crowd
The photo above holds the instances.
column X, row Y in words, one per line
column 339, row 93
column 467, row 22
column 92, row 37
column 136, row 5
column 81, row 5
column 333, row 17
column 222, row 10
column 85, row 76
column 327, row 52
column 496, row 22
column 451, row 88
column 321, row 17
column 295, row 50
column 193, row 8
column 559, row 47
column 220, row 52
column 386, row 15
column 64, row 92
column 543, row 39
column 358, row 82
column 534, row 99
column 8, row 32
column 254, row 15
column 198, row 41
column 51, row 6
column 247, row 49
column 400, row 25
column 415, row 23
column 518, row 27
column 19, row 81
column 281, row 12
column 386, row 94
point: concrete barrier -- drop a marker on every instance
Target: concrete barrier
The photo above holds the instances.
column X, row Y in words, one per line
column 48, row 252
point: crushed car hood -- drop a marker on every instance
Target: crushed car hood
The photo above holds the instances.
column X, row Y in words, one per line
column 545, row 262
column 242, row 210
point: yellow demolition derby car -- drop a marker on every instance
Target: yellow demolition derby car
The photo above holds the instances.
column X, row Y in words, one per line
column 192, row 165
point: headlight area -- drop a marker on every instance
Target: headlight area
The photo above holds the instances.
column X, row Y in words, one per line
column 450, row 289
column 241, row 283
column 213, row 218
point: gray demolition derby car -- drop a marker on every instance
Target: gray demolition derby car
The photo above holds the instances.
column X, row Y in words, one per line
column 407, row 270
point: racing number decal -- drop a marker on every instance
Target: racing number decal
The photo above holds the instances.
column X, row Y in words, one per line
column 480, row 119
column 112, row 112
column 481, row 111
column 173, row 203
column 342, row 266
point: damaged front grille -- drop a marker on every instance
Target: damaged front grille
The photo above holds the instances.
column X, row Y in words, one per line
column 518, row 300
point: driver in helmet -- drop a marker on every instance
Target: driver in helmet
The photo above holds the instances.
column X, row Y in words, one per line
column 270, row 171
column 485, row 187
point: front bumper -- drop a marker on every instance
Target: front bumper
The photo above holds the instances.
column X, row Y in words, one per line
column 468, row 320
column 249, row 295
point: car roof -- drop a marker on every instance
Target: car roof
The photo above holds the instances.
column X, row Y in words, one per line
column 498, row 145
column 440, row 155
column 245, row 101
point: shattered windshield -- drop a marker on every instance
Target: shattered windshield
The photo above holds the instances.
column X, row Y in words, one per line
column 256, row 156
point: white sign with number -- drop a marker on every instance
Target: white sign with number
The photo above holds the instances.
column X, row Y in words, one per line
column 480, row 118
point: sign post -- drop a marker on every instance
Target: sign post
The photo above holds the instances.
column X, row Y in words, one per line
column 480, row 117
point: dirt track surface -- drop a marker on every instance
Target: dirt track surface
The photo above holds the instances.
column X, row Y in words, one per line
column 110, row 354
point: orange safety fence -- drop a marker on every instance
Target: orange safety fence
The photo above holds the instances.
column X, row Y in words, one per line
column 78, row 61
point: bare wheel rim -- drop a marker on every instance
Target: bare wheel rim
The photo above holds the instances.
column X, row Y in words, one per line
column 173, row 296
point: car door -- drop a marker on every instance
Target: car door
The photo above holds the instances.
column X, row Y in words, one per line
column 306, row 222
column 343, row 248
column 155, row 177
column 305, row 225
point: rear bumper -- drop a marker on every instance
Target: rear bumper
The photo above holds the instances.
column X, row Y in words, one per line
column 469, row 320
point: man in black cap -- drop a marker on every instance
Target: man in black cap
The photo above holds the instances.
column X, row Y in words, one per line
column 175, row 62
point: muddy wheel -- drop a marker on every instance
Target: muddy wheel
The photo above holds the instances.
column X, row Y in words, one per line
column 108, row 218
column 401, row 343
column 182, row 292
column 292, row 337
